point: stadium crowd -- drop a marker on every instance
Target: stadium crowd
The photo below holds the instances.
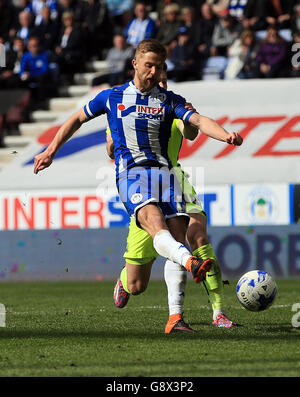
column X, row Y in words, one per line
column 48, row 41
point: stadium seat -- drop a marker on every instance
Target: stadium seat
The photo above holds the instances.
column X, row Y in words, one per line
column 214, row 68
column 286, row 34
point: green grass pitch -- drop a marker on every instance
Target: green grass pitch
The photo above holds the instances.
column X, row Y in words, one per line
column 73, row 329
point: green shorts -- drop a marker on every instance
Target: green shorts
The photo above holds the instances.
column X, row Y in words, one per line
column 139, row 249
column 193, row 204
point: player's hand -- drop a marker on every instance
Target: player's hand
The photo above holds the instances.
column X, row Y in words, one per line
column 42, row 161
column 234, row 139
column 189, row 106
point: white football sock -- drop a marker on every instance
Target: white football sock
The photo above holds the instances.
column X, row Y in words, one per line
column 175, row 277
column 166, row 246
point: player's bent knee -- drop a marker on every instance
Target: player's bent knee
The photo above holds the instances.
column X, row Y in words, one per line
column 137, row 287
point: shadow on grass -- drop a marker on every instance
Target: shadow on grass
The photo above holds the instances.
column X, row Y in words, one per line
column 245, row 333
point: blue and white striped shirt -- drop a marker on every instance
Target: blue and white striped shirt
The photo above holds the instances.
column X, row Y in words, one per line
column 140, row 122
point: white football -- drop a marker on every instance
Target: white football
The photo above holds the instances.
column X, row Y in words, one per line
column 256, row 290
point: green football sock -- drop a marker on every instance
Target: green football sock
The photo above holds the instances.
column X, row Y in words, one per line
column 213, row 280
column 123, row 278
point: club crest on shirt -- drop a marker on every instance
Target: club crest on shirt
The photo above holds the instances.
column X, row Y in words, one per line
column 136, row 198
column 161, row 97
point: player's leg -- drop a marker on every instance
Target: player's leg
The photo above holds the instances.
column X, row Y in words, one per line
column 142, row 204
column 151, row 219
column 175, row 277
column 138, row 275
column 133, row 280
column 201, row 247
column 139, row 257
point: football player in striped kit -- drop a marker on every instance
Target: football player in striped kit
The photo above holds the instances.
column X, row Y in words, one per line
column 140, row 114
column 140, row 253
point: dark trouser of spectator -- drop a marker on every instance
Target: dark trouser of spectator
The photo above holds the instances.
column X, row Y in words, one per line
column 109, row 78
column 39, row 88
column 69, row 65
column 12, row 81
column 259, row 9
column 295, row 73
column 246, row 74
column 222, row 51
column 179, row 75
column 98, row 41
column 274, row 72
column 261, row 24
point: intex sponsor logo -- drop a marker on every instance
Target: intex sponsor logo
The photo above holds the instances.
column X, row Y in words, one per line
column 143, row 111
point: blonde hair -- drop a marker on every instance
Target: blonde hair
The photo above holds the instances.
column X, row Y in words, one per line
column 247, row 33
column 173, row 7
column 68, row 14
column 151, row 45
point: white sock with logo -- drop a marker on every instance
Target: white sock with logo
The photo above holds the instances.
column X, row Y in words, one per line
column 175, row 277
column 166, row 246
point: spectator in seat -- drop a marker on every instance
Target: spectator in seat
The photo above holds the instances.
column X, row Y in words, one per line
column 36, row 6
column 295, row 56
column 218, row 6
column 207, row 24
column 70, row 54
column 120, row 13
column 225, row 32
column 10, row 75
column 141, row 26
column 280, row 13
column 116, row 61
column 47, row 31
column 188, row 18
column 242, row 55
column 167, row 32
column 161, row 5
column 98, row 29
column 76, row 7
column 236, row 8
column 256, row 13
column 35, row 70
column 272, row 55
column 7, row 18
column 295, row 21
column 183, row 57
column 26, row 27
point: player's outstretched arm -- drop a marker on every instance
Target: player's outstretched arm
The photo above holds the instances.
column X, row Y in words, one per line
column 44, row 160
column 212, row 129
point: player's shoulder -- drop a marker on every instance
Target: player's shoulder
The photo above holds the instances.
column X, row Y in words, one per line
column 169, row 93
column 116, row 89
column 173, row 98
column 103, row 94
column 120, row 88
